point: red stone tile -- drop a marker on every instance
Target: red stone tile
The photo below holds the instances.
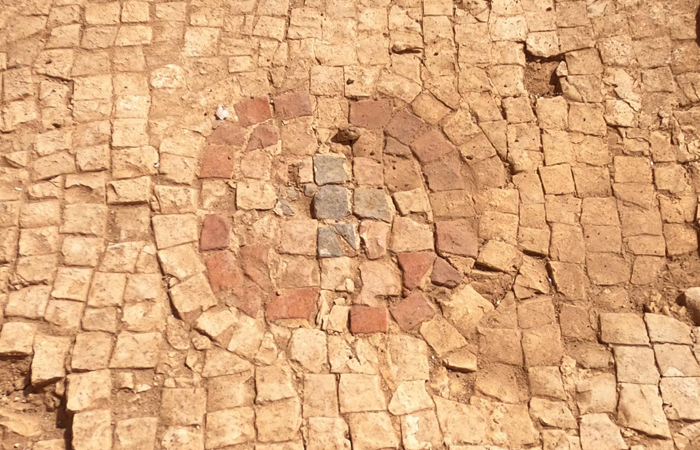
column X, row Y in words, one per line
column 293, row 304
column 431, row 146
column 248, row 297
column 457, row 237
column 404, row 126
column 392, row 146
column 227, row 133
column 215, row 232
column 224, row 272
column 416, row 267
column 445, row 275
column 371, row 114
column 411, row 311
column 264, row 135
column 256, row 264
column 368, row 319
column 217, row 162
column 292, row 105
column 253, row 111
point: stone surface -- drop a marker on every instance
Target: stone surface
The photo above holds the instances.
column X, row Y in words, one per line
column 255, row 195
column 372, row 430
column 215, row 233
column 411, row 311
column 331, row 202
column 359, row 393
column 278, row 421
column 598, row 431
column 329, row 169
column 48, row 363
column 441, row 335
column 368, row 319
column 320, row 396
column 92, row 430
column 229, row 427
column 136, row 350
column 88, row 390
column 293, row 304
column 597, row 394
column 409, row 397
column 371, row 204
column 328, row 433
column 457, row 237
column 640, row 409
column 308, row 348
column 136, row 433
column 460, row 423
column 416, row 266
column 678, row 395
column 635, row 365
column 667, row 329
column 502, row 187
column 465, row 308
column 623, row 328
column 17, row 338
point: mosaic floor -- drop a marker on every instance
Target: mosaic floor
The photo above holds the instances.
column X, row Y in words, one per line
column 349, row 225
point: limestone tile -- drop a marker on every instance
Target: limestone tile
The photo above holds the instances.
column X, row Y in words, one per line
column 183, row 406
column 372, row 431
column 274, row 383
column 666, row 329
column 407, row 358
column 501, row 345
column 192, row 297
column 599, row 432
column 328, row 433
column 460, row 423
column 136, row 350
column 64, row 314
column 230, row 391
column 107, row 289
column 37, row 269
column 88, row 390
column 91, row 351
column 679, row 396
column 409, row 397
column 623, row 328
column 358, row 393
column 352, row 356
column 29, row 303
column 420, row 429
column 278, row 421
column 640, row 408
column 17, row 338
column 230, row 427
column 72, row 283
column 219, row 362
column 182, row 438
column 308, row 348
column 546, row 381
column 175, row 229
column 676, row 361
column 92, row 430
column 501, row 382
column 320, row 396
column 542, row 346
column 138, row 433
column 442, row 336
column 635, row 365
